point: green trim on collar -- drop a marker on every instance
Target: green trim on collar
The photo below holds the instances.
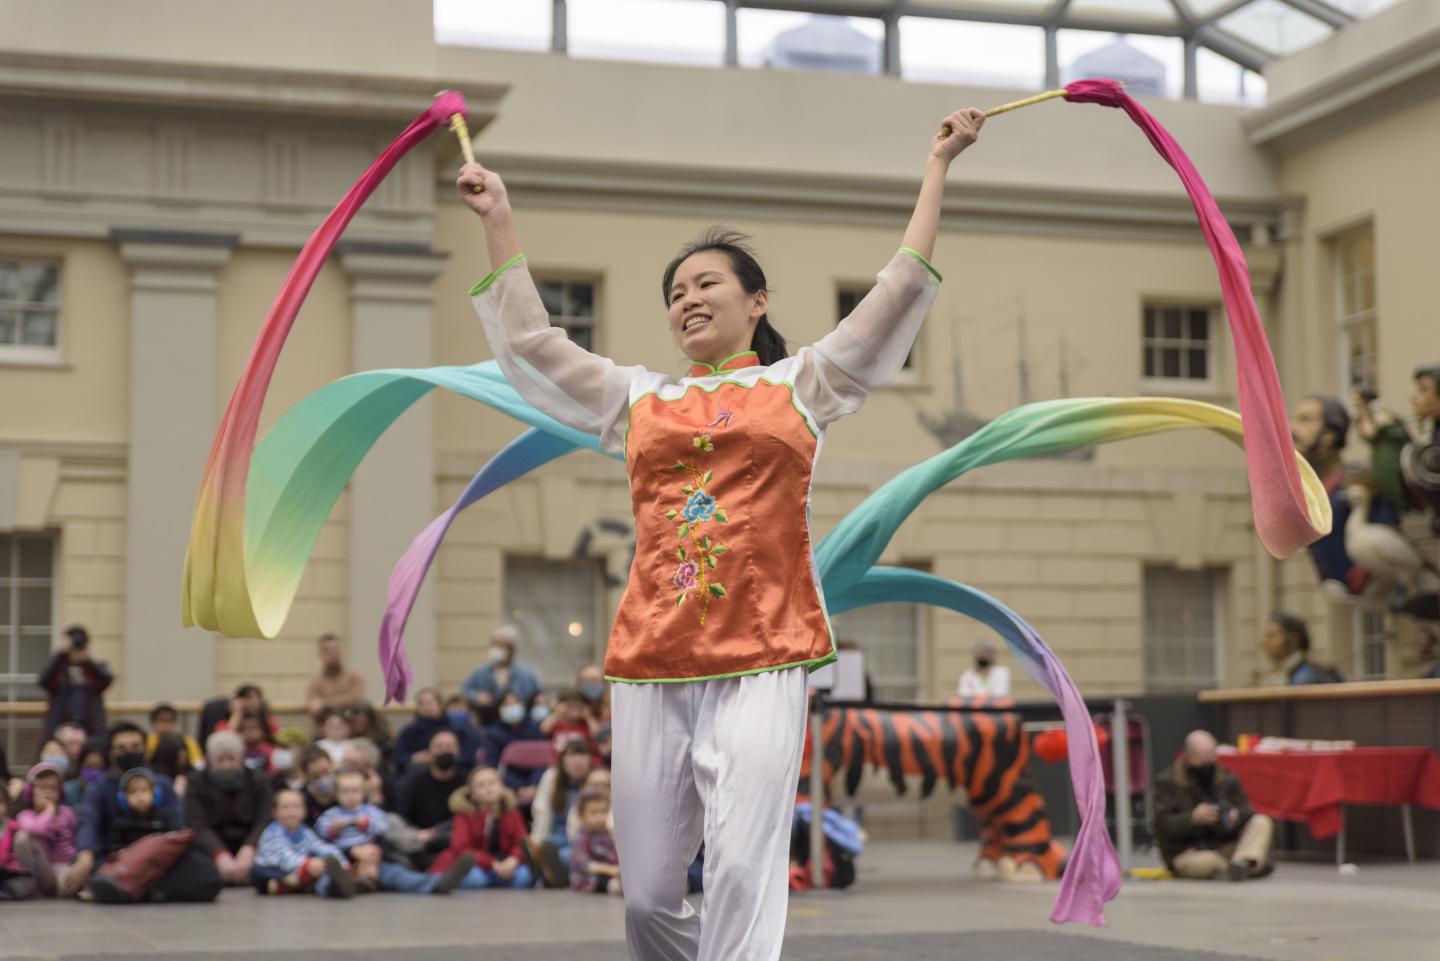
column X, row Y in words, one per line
column 718, row 368
column 921, row 257
column 484, row 285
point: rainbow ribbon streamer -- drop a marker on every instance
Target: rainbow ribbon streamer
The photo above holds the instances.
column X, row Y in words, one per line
column 257, row 520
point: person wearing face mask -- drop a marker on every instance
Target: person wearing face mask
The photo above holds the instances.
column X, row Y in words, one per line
column 424, row 795
column 986, row 679
column 516, row 723
column 591, row 684
column 106, row 808
column 1204, row 825
column 94, row 761
column 488, row 683
column 228, row 804
column 319, row 789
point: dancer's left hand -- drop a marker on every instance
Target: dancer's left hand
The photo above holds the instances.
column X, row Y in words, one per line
column 964, row 129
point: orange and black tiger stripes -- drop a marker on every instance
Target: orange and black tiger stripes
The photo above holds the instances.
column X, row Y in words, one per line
column 983, row 753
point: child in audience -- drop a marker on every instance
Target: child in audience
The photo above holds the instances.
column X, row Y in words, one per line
column 46, row 844
column 549, row 831
column 170, row 757
column 94, row 763
column 293, row 858
column 51, row 752
column 570, row 719
column 596, row 782
column 13, row 882
column 258, row 747
column 602, row 745
column 358, row 829
column 594, row 865
column 140, row 813
column 319, row 790
column 488, row 827
column 164, row 719
column 334, row 734
column 367, row 724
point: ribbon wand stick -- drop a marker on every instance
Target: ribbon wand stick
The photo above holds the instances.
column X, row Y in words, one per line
column 1016, row 105
column 467, row 149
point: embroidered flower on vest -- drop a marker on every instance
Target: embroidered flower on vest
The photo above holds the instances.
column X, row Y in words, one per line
column 699, row 557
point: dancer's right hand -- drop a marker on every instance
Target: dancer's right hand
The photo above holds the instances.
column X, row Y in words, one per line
column 492, row 195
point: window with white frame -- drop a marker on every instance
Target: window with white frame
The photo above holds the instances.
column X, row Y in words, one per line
column 1353, row 265
column 29, row 310
column 571, row 305
column 27, row 605
column 847, row 298
column 1182, row 629
column 559, row 608
column 890, row 636
column 1177, row 342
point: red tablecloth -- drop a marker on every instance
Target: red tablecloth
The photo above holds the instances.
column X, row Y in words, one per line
column 1311, row 786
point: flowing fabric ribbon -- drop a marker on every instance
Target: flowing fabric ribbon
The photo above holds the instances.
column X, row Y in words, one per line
column 256, row 522
column 1284, row 521
column 216, row 593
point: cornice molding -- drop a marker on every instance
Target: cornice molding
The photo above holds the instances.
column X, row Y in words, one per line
column 209, row 86
column 548, row 181
column 1401, row 77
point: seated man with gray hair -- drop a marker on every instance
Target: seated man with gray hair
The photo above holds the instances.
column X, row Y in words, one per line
column 228, row 805
column 1203, row 822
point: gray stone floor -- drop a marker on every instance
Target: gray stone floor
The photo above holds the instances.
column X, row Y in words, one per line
column 914, row 901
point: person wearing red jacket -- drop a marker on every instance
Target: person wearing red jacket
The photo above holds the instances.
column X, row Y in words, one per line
column 488, row 826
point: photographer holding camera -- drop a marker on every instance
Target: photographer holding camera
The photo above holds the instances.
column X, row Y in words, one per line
column 75, row 685
column 1204, row 825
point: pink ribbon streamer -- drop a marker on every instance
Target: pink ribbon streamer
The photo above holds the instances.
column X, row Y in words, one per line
column 1283, row 520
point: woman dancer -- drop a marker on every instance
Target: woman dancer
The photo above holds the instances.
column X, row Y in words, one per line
column 723, row 614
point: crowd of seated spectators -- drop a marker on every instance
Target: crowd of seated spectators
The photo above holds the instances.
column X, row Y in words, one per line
column 502, row 785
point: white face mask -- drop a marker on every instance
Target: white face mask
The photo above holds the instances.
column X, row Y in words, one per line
column 512, row 713
column 283, row 759
column 498, row 654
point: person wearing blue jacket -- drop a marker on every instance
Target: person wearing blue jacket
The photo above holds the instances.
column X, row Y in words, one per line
column 488, row 684
column 109, row 821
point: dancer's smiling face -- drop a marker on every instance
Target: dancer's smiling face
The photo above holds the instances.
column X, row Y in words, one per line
column 712, row 317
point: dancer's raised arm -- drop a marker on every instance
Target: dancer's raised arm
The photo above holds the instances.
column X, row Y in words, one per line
column 869, row 347
column 572, row 385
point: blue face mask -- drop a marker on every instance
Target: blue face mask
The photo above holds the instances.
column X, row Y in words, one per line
column 458, row 718
column 60, row 761
column 92, row 774
column 592, row 691
column 539, row 713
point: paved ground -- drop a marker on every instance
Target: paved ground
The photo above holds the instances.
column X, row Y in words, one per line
column 915, row 901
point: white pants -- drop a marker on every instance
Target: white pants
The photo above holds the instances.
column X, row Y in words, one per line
column 716, row 761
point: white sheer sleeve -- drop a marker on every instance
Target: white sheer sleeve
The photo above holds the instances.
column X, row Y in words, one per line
column 868, row 348
column 580, row 389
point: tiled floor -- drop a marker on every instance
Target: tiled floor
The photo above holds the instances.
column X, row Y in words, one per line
column 914, row 901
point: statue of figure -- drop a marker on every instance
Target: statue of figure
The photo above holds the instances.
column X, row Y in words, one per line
column 1319, row 427
column 1286, row 642
column 1420, row 459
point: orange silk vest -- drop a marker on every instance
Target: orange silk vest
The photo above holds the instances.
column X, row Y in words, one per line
column 724, row 580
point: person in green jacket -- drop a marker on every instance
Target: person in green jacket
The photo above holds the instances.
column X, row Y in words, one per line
column 1205, row 827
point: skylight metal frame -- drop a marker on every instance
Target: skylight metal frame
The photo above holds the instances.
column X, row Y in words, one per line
column 1194, row 30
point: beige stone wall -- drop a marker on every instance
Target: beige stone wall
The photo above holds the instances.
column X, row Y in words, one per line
column 88, row 510
column 1061, row 224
